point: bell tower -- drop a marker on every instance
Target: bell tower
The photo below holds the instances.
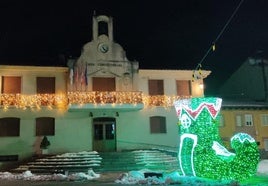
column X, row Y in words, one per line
column 102, row 25
column 102, row 59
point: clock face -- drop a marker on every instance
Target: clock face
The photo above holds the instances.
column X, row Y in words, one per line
column 103, row 48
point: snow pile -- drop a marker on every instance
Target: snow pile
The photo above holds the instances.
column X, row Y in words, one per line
column 137, row 177
column 263, row 167
column 27, row 175
column 78, row 154
column 142, row 177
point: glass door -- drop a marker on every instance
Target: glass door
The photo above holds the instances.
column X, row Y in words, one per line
column 104, row 138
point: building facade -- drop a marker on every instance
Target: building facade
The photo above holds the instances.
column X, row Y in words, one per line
column 248, row 82
column 247, row 119
column 245, row 105
column 101, row 101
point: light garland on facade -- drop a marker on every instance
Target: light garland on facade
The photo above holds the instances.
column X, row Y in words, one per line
column 33, row 101
column 62, row 101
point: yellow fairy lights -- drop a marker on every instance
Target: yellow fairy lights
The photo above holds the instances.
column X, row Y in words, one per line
column 61, row 101
column 160, row 100
column 104, row 97
column 33, row 101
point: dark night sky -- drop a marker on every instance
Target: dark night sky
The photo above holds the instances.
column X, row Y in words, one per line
column 169, row 34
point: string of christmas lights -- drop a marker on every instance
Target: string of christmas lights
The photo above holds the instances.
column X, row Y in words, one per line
column 62, row 101
column 197, row 73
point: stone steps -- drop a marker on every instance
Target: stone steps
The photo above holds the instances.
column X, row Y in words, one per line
column 64, row 163
column 137, row 160
column 101, row 162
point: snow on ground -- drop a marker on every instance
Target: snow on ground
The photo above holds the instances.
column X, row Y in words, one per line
column 27, row 175
column 137, row 177
column 263, row 167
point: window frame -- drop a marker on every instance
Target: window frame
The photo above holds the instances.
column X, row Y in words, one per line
column 238, row 120
column 264, row 119
column 248, row 122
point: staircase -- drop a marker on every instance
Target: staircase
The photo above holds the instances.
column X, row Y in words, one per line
column 137, row 160
column 64, row 163
column 101, row 162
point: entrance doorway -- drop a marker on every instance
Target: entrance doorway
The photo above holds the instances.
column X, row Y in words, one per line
column 104, row 134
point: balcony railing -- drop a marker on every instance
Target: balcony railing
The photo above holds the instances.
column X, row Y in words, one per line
column 104, row 97
column 33, row 101
column 81, row 98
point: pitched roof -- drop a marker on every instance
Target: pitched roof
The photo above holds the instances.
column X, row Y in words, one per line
column 244, row 104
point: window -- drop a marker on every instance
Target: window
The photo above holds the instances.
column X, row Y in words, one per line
column 103, row 28
column 45, row 85
column 98, row 132
column 9, row 126
column 158, row 124
column 156, row 87
column 248, row 120
column 238, row 120
column 103, row 84
column 244, row 120
column 45, row 126
column 109, row 131
column 265, row 144
column 264, row 119
column 183, row 87
column 221, row 124
column 11, row 84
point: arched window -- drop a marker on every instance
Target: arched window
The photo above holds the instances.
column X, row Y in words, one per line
column 103, row 28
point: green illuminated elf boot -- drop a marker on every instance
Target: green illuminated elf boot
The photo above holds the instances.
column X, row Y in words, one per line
column 201, row 152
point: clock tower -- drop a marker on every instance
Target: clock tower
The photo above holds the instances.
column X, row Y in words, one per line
column 103, row 58
column 103, row 33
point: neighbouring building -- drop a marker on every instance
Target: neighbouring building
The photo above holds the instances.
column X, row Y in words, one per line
column 245, row 105
column 248, row 82
column 100, row 101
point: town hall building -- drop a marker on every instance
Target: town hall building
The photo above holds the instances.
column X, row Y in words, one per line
column 100, row 101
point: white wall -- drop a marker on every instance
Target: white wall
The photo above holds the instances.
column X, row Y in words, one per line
column 73, row 133
column 73, row 130
column 133, row 129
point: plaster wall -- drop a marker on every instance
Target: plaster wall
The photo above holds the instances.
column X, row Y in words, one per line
column 133, row 130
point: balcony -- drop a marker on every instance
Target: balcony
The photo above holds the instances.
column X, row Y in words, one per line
column 118, row 101
column 78, row 101
column 33, row 101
